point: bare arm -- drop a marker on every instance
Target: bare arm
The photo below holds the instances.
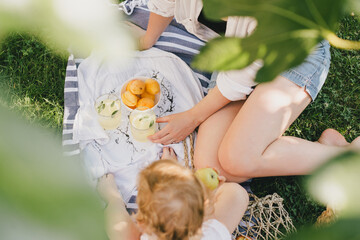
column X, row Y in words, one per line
column 119, row 225
column 156, row 26
column 209, row 105
column 180, row 125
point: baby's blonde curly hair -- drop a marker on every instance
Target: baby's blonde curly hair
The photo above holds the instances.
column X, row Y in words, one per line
column 170, row 200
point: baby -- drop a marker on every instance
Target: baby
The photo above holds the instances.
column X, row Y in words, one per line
column 173, row 205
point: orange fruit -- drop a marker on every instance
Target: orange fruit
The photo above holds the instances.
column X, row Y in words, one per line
column 152, row 86
column 128, row 85
column 136, row 86
column 129, row 99
column 147, row 95
column 145, row 102
column 241, row 237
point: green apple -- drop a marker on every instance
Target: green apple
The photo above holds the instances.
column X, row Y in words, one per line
column 209, row 177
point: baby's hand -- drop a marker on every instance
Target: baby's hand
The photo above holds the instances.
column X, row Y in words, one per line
column 210, row 177
column 169, row 154
column 107, row 188
column 222, row 179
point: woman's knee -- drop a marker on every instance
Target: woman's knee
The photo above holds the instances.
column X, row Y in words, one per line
column 237, row 160
column 204, row 158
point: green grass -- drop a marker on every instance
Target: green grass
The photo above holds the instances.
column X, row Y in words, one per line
column 32, row 82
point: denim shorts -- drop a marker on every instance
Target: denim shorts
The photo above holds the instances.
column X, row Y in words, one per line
column 312, row 73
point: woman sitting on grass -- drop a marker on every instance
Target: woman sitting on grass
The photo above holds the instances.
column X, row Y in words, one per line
column 173, row 204
column 240, row 136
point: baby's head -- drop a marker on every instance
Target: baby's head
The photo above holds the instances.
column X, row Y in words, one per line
column 171, row 201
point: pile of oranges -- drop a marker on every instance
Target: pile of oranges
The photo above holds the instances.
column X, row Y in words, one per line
column 140, row 93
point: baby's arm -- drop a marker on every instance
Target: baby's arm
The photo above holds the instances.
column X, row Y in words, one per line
column 231, row 201
column 156, row 26
column 119, row 225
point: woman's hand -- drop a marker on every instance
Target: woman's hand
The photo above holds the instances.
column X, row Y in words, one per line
column 178, row 127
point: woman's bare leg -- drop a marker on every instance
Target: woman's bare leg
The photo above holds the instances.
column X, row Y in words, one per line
column 254, row 146
column 211, row 133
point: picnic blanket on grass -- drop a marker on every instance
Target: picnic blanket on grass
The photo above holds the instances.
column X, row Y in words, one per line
column 95, row 147
column 116, row 151
column 178, row 44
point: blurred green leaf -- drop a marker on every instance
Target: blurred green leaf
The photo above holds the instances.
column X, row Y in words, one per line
column 354, row 6
column 343, row 229
column 68, row 23
column 41, row 189
column 336, row 184
column 287, row 32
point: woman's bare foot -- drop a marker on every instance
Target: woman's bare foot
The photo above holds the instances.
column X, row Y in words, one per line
column 355, row 144
column 107, row 188
column 169, row 154
column 332, row 137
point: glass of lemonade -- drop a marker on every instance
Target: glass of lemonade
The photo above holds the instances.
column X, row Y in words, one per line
column 142, row 123
column 108, row 108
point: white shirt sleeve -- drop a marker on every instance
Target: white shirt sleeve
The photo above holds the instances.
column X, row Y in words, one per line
column 144, row 237
column 237, row 84
column 240, row 26
column 165, row 8
column 212, row 229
